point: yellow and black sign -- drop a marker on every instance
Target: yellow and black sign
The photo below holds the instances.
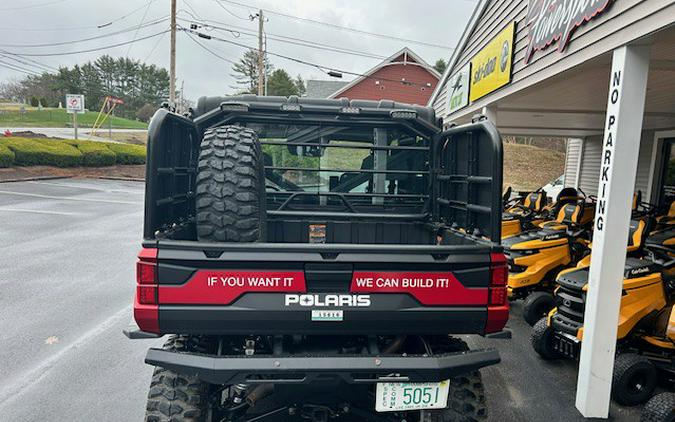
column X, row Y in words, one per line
column 491, row 67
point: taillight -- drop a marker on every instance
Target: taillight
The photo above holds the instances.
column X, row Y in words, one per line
column 498, row 306
column 499, row 274
column 145, row 307
column 146, row 276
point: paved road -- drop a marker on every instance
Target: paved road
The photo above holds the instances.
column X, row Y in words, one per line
column 68, row 133
column 66, row 281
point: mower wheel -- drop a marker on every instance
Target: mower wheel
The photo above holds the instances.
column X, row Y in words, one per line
column 231, row 187
column 537, row 305
column 660, row 408
column 634, row 380
column 542, row 340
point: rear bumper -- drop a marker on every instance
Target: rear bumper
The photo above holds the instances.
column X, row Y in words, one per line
column 396, row 318
column 304, row 369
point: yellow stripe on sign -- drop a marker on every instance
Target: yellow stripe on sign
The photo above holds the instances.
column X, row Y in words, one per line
column 491, row 67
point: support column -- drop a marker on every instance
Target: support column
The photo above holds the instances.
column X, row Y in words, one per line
column 621, row 144
column 490, row 112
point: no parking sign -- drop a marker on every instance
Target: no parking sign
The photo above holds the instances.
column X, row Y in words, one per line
column 74, row 103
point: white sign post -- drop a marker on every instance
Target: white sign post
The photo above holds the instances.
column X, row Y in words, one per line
column 74, row 106
column 621, row 144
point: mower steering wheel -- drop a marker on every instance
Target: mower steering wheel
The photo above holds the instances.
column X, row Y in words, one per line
column 592, row 198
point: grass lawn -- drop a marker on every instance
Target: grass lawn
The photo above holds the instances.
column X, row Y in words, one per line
column 55, row 117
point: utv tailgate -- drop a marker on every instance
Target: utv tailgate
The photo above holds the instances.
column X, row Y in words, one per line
column 269, row 288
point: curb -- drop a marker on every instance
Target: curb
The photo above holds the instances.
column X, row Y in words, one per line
column 128, row 179
column 30, row 179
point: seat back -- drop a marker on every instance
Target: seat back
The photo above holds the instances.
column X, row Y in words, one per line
column 638, row 230
column 535, row 201
column 637, row 199
column 571, row 213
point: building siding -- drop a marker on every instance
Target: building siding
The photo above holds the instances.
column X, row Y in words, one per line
column 592, row 159
column 391, row 87
column 621, row 22
column 572, row 161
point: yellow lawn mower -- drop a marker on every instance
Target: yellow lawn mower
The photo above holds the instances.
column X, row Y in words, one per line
column 529, row 212
column 646, row 330
column 535, row 257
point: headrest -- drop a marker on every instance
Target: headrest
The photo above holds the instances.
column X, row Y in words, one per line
column 567, row 193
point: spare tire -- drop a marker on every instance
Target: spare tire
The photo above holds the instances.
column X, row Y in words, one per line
column 230, row 202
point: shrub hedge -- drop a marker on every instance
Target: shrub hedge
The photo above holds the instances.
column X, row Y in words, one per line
column 94, row 154
column 34, row 152
column 6, row 156
column 128, row 153
column 67, row 153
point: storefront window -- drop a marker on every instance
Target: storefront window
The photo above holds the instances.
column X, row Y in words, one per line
column 668, row 189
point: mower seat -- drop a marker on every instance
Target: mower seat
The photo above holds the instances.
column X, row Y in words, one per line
column 569, row 214
column 637, row 234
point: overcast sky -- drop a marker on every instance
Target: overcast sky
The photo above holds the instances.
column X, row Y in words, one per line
column 52, row 21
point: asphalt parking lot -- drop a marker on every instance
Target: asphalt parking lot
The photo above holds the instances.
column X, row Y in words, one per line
column 67, row 279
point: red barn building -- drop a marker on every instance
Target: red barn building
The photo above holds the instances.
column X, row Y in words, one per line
column 403, row 77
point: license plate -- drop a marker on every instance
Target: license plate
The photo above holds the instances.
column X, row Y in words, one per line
column 401, row 396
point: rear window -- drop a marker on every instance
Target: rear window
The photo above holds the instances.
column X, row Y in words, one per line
column 354, row 168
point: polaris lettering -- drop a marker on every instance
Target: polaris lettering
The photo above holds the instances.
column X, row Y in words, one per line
column 329, row 300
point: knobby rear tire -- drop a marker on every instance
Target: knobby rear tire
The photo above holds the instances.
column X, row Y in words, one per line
column 230, row 188
column 175, row 397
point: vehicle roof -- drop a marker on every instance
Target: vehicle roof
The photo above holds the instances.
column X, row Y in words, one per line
column 207, row 104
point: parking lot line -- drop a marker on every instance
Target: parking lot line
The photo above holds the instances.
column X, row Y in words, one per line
column 68, row 198
column 38, row 211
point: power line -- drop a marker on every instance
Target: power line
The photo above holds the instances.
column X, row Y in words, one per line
column 345, row 28
column 31, row 63
column 154, row 47
column 110, row 34
column 322, row 68
column 91, row 49
column 18, row 69
column 32, row 6
column 125, row 15
column 209, row 50
column 228, row 11
column 139, row 25
column 290, row 40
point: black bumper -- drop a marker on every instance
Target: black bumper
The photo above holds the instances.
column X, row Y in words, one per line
column 304, row 369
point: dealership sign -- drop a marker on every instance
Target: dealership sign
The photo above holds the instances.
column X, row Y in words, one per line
column 458, row 89
column 552, row 21
column 491, row 67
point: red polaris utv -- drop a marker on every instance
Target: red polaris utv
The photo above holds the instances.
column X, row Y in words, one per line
column 311, row 260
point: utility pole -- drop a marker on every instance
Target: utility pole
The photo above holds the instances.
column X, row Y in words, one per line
column 172, row 65
column 261, row 57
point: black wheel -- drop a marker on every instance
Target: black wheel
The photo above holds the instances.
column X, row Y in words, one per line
column 177, row 397
column 660, row 408
column 231, row 187
column 542, row 340
column 466, row 398
column 634, row 379
column 536, row 306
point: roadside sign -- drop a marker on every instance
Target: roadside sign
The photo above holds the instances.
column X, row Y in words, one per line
column 74, row 103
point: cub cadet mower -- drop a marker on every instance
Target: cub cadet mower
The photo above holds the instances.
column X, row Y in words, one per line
column 524, row 214
column 646, row 330
column 533, row 210
column 535, row 257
